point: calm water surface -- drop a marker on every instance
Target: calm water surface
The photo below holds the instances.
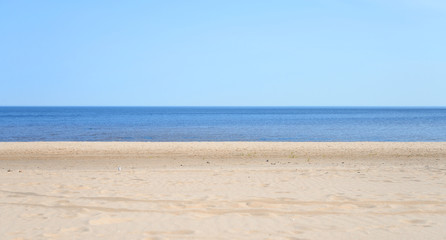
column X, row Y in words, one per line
column 221, row 124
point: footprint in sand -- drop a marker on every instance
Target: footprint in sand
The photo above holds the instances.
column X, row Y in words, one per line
column 415, row 221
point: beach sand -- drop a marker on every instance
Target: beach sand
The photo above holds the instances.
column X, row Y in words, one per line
column 225, row 190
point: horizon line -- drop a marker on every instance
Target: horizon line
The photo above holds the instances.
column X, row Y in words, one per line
column 242, row 106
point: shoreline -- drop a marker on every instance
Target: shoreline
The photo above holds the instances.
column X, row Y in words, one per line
column 221, row 150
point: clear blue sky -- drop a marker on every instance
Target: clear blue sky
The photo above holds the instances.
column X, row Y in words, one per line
column 225, row 53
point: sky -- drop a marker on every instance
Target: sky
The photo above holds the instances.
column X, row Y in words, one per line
column 223, row 53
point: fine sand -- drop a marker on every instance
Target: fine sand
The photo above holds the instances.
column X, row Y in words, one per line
column 225, row 190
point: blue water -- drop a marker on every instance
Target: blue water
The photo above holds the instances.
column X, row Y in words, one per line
column 221, row 124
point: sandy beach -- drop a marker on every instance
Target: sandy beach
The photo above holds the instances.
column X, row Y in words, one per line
column 222, row 190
